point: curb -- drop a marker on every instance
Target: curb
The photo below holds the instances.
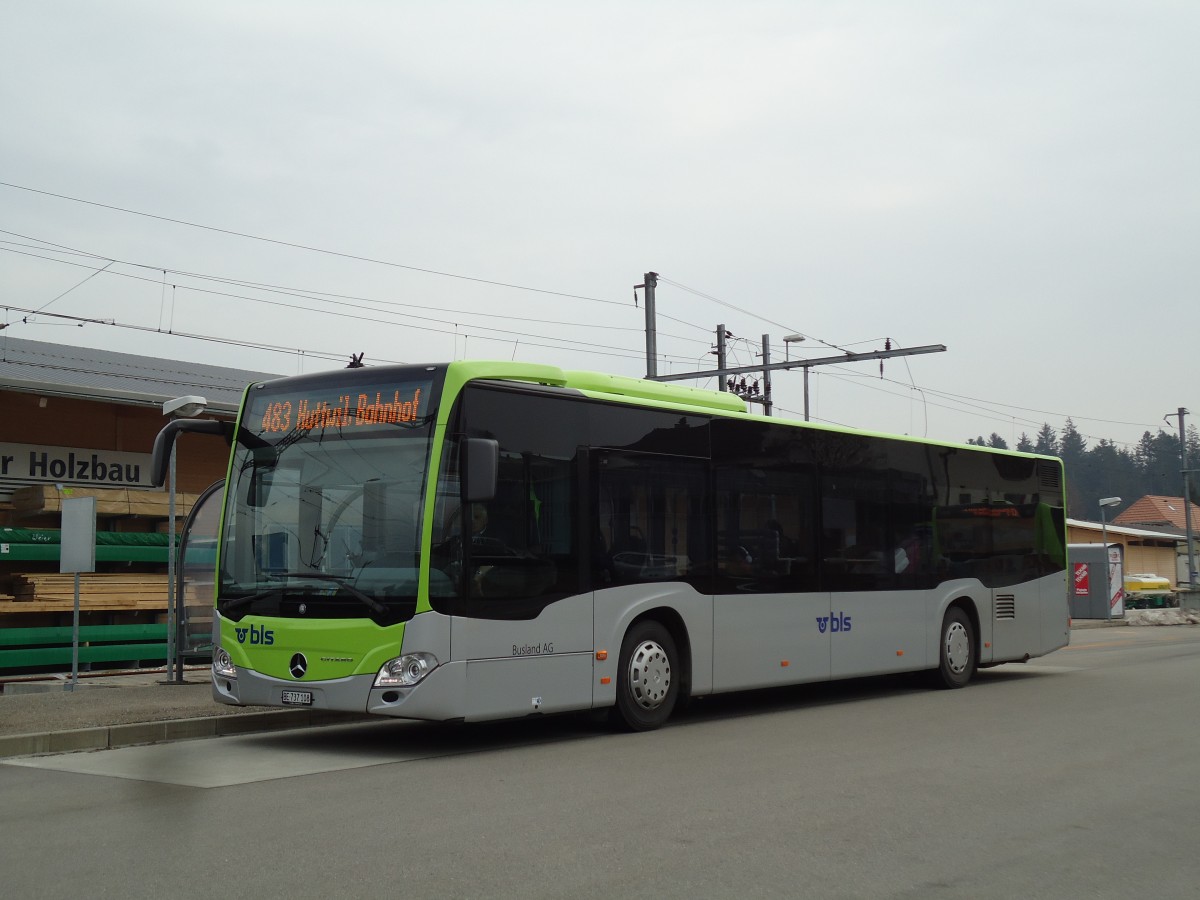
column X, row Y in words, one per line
column 109, row 737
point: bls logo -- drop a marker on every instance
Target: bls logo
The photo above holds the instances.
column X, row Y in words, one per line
column 839, row 622
column 263, row 636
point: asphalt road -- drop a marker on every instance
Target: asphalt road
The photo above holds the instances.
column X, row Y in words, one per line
column 1074, row 777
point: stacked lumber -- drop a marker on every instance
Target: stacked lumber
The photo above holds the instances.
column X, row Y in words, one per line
column 54, row 592
column 37, row 500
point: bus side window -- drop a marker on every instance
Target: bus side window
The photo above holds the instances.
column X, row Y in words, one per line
column 652, row 519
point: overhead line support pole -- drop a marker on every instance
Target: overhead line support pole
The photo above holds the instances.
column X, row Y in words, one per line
column 805, row 363
column 766, row 355
column 649, row 283
column 721, row 386
column 1187, row 500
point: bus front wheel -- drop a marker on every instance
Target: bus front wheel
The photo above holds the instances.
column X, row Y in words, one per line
column 957, row 657
column 647, row 682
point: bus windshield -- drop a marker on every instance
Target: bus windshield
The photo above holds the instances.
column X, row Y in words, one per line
column 325, row 500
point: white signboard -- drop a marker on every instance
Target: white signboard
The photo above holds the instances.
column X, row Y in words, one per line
column 25, row 463
column 78, row 552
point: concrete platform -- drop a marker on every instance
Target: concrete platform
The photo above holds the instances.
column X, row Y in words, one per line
column 123, row 709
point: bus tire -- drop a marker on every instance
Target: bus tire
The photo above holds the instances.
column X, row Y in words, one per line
column 647, row 680
column 957, row 658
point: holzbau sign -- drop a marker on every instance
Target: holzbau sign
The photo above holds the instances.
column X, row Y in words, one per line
column 23, row 463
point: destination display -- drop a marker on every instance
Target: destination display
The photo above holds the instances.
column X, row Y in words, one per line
column 370, row 406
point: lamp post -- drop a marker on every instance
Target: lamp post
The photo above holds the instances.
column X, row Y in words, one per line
column 179, row 408
column 1105, row 503
column 788, row 340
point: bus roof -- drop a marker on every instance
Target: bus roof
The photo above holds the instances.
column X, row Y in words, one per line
column 600, row 385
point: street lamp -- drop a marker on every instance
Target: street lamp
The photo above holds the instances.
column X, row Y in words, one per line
column 1105, row 503
column 180, row 408
column 788, row 340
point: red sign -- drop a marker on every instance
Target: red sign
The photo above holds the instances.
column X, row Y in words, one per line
column 1082, row 587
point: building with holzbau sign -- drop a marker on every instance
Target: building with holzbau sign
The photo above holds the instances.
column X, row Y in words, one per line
column 76, row 422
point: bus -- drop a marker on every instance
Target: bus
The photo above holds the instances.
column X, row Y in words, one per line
column 480, row 540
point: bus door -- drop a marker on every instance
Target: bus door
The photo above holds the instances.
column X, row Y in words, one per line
column 522, row 624
column 876, row 564
column 651, row 549
column 771, row 622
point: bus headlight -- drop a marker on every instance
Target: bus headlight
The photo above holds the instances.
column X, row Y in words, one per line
column 223, row 666
column 405, row 671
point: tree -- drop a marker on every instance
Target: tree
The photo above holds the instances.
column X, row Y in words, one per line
column 1158, row 459
column 1047, row 441
column 1193, row 454
column 1071, row 446
column 1024, row 444
column 994, row 440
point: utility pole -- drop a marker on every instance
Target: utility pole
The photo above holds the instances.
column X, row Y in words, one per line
column 766, row 355
column 721, row 351
column 1187, row 500
column 649, row 283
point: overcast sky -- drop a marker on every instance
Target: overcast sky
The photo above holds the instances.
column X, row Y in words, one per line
column 1014, row 180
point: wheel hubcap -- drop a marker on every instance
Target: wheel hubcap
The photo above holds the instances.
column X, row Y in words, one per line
column 649, row 674
column 958, row 648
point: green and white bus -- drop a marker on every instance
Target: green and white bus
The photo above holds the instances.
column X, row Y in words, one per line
column 479, row 540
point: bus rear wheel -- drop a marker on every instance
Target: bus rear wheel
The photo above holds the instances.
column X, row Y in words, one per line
column 647, row 683
column 957, row 658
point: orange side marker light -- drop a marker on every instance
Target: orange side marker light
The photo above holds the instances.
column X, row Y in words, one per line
column 899, row 652
column 784, row 663
column 602, row 655
column 606, row 680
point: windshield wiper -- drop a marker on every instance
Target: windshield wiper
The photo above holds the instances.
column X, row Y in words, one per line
column 239, row 602
column 366, row 599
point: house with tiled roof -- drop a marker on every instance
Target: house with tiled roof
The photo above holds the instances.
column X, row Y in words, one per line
column 1158, row 512
column 1167, row 514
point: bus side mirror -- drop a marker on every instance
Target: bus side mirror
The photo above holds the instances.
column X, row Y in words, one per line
column 160, row 457
column 480, row 463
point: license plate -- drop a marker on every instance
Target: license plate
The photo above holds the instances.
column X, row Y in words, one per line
column 297, row 698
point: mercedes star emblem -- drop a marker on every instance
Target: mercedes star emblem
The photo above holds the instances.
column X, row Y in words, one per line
column 298, row 666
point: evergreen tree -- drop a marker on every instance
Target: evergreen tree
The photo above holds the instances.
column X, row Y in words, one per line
column 1024, row 444
column 1105, row 470
column 996, row 441
column 1047, row 441
column 1071, row 446
column 1193, row 454
column 1159, row 459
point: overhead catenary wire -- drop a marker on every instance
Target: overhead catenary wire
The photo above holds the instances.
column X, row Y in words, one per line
column 492, row 282
column 559, row 343
column 965, row 404
column 871, row 382
column 336, row 253
column 748, row 312
column 306, row 293
column 913, row 385
column 307, row 247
